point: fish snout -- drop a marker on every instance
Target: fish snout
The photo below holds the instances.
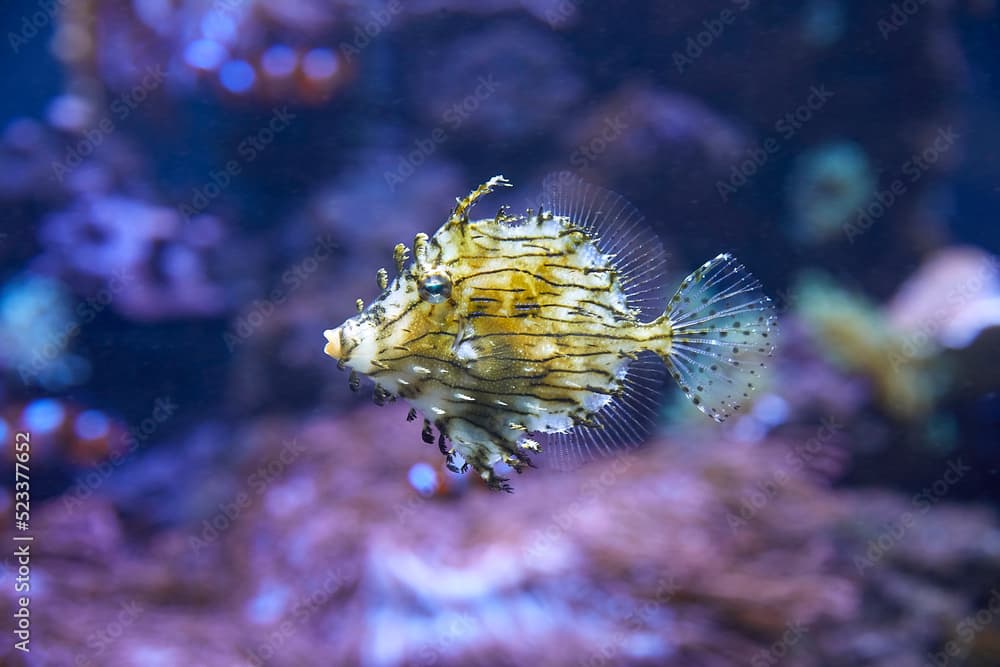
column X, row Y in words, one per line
column 334, row 343
column 353, row 343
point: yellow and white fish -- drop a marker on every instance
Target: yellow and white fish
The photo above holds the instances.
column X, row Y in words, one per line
column 503, row 328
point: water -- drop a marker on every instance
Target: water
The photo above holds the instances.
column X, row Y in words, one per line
column 194, row 191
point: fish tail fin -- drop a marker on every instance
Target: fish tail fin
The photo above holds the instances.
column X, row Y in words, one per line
column 719, row 329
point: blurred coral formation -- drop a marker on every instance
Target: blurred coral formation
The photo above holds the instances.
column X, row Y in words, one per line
column 193, row 191
column 829, row 184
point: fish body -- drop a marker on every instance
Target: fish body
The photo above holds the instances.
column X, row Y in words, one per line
column 502, row 328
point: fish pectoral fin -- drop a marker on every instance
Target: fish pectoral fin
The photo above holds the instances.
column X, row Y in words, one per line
column 486, row 358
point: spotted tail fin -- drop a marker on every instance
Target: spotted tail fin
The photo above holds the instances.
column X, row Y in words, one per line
column 721, row 330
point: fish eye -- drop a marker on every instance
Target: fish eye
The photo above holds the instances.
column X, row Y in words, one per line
column 435, row 287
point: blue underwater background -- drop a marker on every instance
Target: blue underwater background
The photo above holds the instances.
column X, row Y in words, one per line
column 193, row 190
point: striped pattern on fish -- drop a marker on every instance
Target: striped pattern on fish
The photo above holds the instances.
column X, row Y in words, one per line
column 502, row 328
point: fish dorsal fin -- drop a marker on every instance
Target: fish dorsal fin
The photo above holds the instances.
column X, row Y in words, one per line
column 618, row 230
column 625, row 422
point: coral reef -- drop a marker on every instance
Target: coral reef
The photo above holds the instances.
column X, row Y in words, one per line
column 948, row 303
column 753, row 554
column 950, row 299
column 487, row 90
column 38, row 323
column 640, row 130
column 828, row 187
column 262, row 49
column 142, row 260
column 858, row 336
column 194, row 190
column 64, row 432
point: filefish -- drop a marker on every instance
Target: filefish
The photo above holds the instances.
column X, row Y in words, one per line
column 550, row 330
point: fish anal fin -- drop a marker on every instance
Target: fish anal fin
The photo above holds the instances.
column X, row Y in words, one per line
column 623, row 423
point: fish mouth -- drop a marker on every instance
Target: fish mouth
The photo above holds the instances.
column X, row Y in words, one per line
column 334, row 342
column 353, row 344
